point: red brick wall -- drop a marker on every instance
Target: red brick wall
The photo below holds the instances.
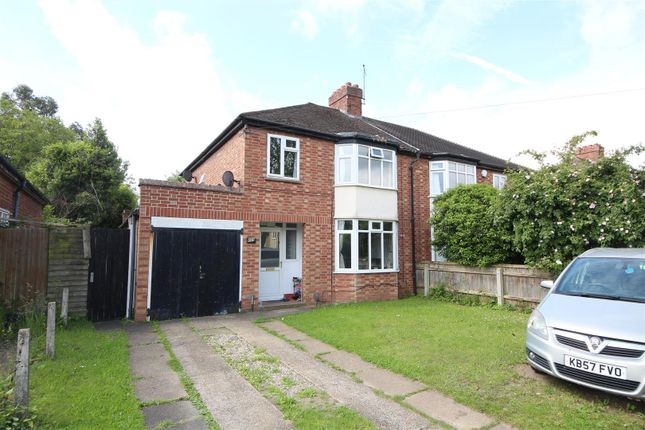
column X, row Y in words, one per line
column 7, row 188
column 30, row 208
column 352, row 287
column 484, row 180
column 229, row 157
column 422, row 214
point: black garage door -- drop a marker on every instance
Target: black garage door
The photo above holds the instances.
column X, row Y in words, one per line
column 194, row 272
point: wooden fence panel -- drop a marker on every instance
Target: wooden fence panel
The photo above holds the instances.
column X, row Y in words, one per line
column 68, row 267
column 520, row 283
column 23, row 264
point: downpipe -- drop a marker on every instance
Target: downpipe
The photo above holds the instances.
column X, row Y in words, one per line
column 413, row 222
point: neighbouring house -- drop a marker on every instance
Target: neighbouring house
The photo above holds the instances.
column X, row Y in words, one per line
column 19, row 199
column 319, row 196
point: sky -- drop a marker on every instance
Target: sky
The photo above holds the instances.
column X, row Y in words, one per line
column 500, row 76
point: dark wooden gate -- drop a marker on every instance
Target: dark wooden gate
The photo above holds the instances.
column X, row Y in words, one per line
column 194, row 272
column 108, row 274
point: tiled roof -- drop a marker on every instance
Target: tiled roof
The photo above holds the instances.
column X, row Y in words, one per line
column 334, row 124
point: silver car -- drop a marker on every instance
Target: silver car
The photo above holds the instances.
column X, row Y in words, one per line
column 590, row 328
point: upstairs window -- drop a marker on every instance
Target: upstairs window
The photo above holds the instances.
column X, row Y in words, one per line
column 365, row 165
column 445, row 175
column 283, row 155
column 499, row 181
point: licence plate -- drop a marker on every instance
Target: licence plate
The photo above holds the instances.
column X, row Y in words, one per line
column 595, row 367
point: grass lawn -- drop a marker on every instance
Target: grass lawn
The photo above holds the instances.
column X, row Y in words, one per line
column 88, row 385
column 469, row 353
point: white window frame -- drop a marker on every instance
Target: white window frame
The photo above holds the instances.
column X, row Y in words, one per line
column 496, row 181
column 443, row 167
column 283, row 150
column 372, row 154
column 354, row 245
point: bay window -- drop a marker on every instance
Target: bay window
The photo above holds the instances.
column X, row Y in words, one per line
column 366, row 246
column 445, row 175
column 365, row 165
column 282, row 157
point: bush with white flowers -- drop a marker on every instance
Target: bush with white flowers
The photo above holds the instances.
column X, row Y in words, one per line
column 567, row 207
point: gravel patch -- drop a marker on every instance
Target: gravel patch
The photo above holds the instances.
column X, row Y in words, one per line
column 266, row 372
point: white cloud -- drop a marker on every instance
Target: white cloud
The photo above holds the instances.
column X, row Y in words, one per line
column 453, row 23
column 304, row 22
column 350, row 13
column 616, row 43
column 161, row 101
column 497, row 69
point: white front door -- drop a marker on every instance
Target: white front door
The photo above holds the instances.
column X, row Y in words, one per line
column 280, row 260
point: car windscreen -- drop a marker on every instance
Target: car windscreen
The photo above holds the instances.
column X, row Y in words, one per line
column 605, row 278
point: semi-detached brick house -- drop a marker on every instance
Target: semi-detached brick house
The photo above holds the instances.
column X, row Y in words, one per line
column 324, row 194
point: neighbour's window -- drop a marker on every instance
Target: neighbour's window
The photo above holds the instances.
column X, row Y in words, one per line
column 365, row 165
column 499, row 181
column 283, row 157
column 445, row 175
column 366, row 245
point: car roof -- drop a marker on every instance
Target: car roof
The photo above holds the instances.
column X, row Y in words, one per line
column 615, row 253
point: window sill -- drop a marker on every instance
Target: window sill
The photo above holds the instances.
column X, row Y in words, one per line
column 367, row 186
column 364, row 272
column 283, row 179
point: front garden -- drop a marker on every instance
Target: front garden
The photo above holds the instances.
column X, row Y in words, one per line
column 474, row 354
column 87, row 385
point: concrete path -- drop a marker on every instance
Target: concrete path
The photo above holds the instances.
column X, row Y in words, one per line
column 232, row 401
column 157, row 385
column 415, row 394
column 383, row 412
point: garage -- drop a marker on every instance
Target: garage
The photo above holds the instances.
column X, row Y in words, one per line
column 195, row 268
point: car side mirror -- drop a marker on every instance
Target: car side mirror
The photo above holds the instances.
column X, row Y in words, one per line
column 546, row 284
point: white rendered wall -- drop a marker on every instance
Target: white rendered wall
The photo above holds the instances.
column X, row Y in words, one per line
column 365, row 202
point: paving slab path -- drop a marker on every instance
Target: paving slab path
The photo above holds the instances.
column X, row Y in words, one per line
column 156, row 385
column 415, row 394
column 383, row 412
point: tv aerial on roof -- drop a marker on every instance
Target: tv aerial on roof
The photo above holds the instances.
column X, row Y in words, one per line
column 228, row 179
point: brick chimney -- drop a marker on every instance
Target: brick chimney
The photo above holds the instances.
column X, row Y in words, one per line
column 348, row 98
column 590, row 152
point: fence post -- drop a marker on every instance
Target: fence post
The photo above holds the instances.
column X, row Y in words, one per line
column 63, row 306
column 426, row 280
column 499, row 274
column 50, row 341
column 21, row 389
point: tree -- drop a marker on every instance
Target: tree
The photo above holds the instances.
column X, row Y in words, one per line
column 175, row 177
column 562, row 209
column 464, row 230
column 84, row 182
column 78, row 169
column 27, row 125
column 24, row 98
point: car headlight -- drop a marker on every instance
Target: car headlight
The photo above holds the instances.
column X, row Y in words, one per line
column 537, row 325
